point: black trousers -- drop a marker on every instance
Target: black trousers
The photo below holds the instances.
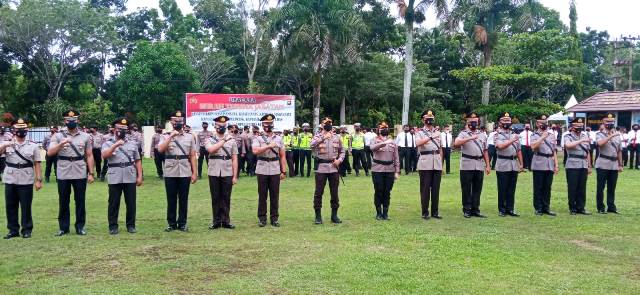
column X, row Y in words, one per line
column 593, row 149
column 105, row 168
column 268, row 187
column 527, row 155
column 446, row 160
column 177, row 199
column 296, row 161
column 471, row 186
column 51, row 162
column 368, row 155
column 564, row 158
column 625, row 156
column 305, row 155
column 345, row 166
column 158, row 159
column 290, row 164
column 493, row 156
column 430, row 191
column 220, row 188
column 242, row 160
column 97, row 158
column 577, row 188
column 3, row 164
column 542, row 181
column 18, row 197
column 382, row 186
column 115, row 192
column 634, row 156
column 406, row 159
column 79, row 187
column 360, row 161
column 321, row 182
column 608, row 178
column 507, row 182
column 203, row 156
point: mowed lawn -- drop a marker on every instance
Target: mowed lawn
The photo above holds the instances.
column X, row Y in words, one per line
column 530, row 254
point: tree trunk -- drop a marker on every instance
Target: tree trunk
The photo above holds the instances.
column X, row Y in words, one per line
column 486, row 85
column 343, row 106
column 317, row 82
column 408, row 71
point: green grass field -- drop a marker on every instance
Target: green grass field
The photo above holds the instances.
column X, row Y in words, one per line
column 531, row 254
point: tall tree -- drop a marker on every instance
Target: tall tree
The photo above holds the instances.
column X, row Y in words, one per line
column 414, row 12
column 321, row 34
column 575, row 49
column 252, row 38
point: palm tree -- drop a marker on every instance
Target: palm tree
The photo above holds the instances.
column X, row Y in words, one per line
column 318, row 34
column 413, row 12
column 488, row 18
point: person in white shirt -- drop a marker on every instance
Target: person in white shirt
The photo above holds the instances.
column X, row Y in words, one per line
column 633, row 146
column 564, row 150
column 525, row 145
column 406, row 148
column 624, row 140
column 369, row 136
column 446, row 141
column 492, row 149
column 592, row 144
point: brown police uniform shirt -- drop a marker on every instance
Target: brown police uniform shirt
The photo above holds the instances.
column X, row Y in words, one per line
column 155, row 140
column 221, row 167
column 543, row 157
column 386, row 154
column 96, row 140
column 507, row 165
column 433, row 161
column 72, row 169
column 268, row 167
column 580, row 150
column 174, row 167
column 128, row 152
column 473, row 148
column 203, row 136
column 609, row 151
column 327, row 149
column 21, row 176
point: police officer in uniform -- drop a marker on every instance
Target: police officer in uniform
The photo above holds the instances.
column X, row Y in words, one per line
column 223, row 172
column 345, row 137
column 358, row 151
column 125, row 173
column 544, row 165
column 288, row 140
column 158, row 157
column 106, row 137
column 180, row 150
column 296, row 152
column 385, row 170
column 329, row 152
column 96, row 143
column 270, row 170
column 21, row 174
column 203, row 137
column 304, row 140
column 508, row 165
column 51, row 161
column 578, row 166
column 608, row 164
column 75, row 157
column 474, row 159
column 428, row 141
column 5, row 136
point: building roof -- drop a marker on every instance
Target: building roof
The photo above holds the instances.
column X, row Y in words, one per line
column 610, row 101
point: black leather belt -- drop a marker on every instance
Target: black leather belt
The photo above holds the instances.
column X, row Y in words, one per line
column 507, row 157
column 386, row 163
column 601, row 156
column 121, row 165
column 19, row 166
column 576, row 156
column 323, row 161
column 268, row 159
column 430, row 153
column 70, row 158
column 176, row 157
column 225, row 158
column 472, row 157
column 544, row 155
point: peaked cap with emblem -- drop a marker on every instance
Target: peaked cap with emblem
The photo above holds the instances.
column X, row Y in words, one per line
column 609, row 117
column 121, row 121
column 505, row 115
column 542, row 118
column 326, row 120
column 20, row 123
column 428, row 114
column 267, row 118
column 177, row 114
column 70, row 114
column 577, row 120
column 221, row 119
column 383, row 124
column 471, row 116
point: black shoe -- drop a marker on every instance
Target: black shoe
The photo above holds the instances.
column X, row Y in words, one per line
column 334, row 216
column 513, row 214
column 602, row 212
column 425, row 216
column 539, row 213
column 378, row 213
column 215, row 226
column 367, row 174
column 502, row 214
column 11, row 235
column 550, row 213
column 81, row 232
column 262, row 223
column 47, row 179
column 436, row 216
column 385, row 213
column 318, row 217
column 113, row 231
column 275, row 223
column 183, row 228
column 131, row 230
column 466, row 215
column 478, row 214
column 26, row 235
column 170, row 228
column 583, row 212
column 61, row 233
column 614, row 211
column 573, row 213
column 228, row 226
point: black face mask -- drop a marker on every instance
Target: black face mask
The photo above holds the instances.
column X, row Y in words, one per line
column 267, row 128
column 578, row 129
column 177, row 126
column 610, row 126
column 543, row 126
column 635, row 128
column 221, row 129
column 506, row 125
column 428, row 122
column 234, row 131
column 305, row 129
column 526, row 128
column 295, row 133
column 122, row 133
column 72, row 125
column 204, row 127
column 327, row 127
column 384, row 132
column 357, row 129
column 473, row 125
column 158, row 131
column 21, row 133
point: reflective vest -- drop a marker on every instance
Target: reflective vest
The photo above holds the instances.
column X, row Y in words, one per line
column 288, row 141
column 346, row 140
column 295, row 141
column 358, row 141
column 305, row 140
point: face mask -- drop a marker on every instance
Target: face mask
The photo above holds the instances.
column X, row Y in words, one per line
column 267, row 128
column 473, row 125
column 305, row 129
column 72, row 125
column 21, row 133
column 122, row 134
column 357, row 129
column 578, row 129
column 406, row 130
column 327, row 127
column 428, row 121
column 506, row 125
column 295, row 133
column 527, row 128
column 235, row 131
column 221, row 129
column 610, row 126
column 177, row 126
column 204, row 127
column 543, row 126
column 158, row 131
column 635, row 128
column 384, row 132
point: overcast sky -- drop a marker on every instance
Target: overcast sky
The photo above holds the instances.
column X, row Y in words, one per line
column 616, row 16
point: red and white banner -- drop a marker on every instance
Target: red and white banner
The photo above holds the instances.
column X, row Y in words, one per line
column 242, row 109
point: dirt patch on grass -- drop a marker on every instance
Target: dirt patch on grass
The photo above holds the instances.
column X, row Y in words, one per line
column 156, row 254
column 589, row 246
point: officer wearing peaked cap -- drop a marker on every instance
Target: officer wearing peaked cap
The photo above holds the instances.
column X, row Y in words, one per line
column 429, row 165
column 608, row 164
column 5, row 135
column 328, row 149
column 21, row 174
column 223, row 172
column 125, row 173
column 75, row 168
column 385, row 170
column 578, row 166
column 544, row 165
column 508, row 165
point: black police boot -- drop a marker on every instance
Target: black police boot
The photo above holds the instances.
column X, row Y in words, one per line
column 318, row 216
column 334, row 216
column 385, row 213
column 378, row 213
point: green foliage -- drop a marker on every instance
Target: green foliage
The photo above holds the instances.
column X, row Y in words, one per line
column 521, row 111
column 50, row 112
column 515, row 76
column 97, row 112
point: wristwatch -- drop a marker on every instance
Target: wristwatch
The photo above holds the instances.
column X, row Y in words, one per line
column 39, row 179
